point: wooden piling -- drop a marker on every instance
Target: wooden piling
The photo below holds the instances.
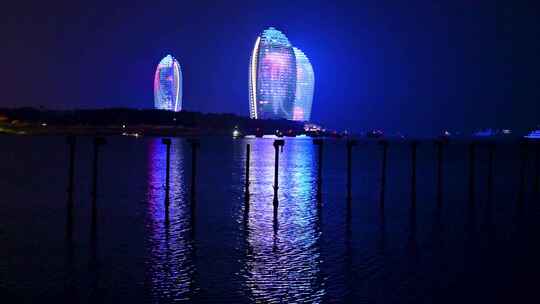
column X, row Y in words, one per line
column 195, row 144
column 350, row 144
column 491, row 152
column 248, row 161
column 522, row 171
column 71, row 173
column 537, row 170
column 167, row 143
column 439, row 144
column 319, row 143
column 277, row 144
column 98, row 142
column 70, row 189
column 472, row 166
column 384, row 145
column 414, row 146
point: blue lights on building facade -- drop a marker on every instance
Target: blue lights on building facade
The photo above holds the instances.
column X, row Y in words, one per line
column 281, row 79
column 305, row 85
column 168, row 85
column 272, row 76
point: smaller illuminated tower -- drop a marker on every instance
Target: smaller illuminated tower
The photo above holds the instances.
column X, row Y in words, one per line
column 168, row 85
column 305, row 85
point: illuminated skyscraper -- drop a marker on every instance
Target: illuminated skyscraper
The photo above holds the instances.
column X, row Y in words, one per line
column 272, row 79
column 168, row 85
column 281, row 79
column 305, row 84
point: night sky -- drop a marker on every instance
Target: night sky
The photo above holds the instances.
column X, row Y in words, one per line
column 414, row 66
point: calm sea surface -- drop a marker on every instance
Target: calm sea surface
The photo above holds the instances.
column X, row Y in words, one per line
column 462, row 248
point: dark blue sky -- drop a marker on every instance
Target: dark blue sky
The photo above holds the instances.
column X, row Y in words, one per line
column 398, row 65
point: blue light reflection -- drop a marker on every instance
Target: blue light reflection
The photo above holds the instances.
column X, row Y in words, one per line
column 169, row 265
column 283, row 256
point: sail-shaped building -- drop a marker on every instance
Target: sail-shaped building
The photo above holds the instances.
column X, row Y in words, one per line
column 168, row 85
column 272, row 76
column 305, row 85
column 281, row 79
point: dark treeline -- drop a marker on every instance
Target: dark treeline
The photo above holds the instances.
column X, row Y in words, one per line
column 148, row 117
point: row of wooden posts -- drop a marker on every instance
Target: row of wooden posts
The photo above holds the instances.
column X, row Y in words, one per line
column 278, row 146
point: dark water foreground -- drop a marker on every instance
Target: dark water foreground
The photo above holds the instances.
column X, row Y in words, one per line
column 456, row 248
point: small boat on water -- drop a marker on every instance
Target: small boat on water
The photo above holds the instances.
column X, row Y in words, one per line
column 485, row 133
column 135, row 134
column 375, row 134
column 535, row 135
column 236, row 133
column 493, row 133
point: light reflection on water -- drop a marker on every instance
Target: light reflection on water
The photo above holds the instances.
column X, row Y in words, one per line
column 449, row 252
column 170, row 269
column 283, row 257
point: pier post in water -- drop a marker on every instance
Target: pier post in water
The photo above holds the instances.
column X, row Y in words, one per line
column 491, row 152
column 167, row 143
column 71, row 173
column 537, row 170
column 248, row 160
column 384, row 145
column 195, row 144
column 439, row 144
column 98, row 142
column 70, row 189
column 350, row 144
column 246, row 185
column 278, row 143
column 522, row 171
column 472, row 166
column 414, row 146
column 319, row 143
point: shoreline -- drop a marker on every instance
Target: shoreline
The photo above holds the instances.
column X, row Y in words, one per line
column 183, row 132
